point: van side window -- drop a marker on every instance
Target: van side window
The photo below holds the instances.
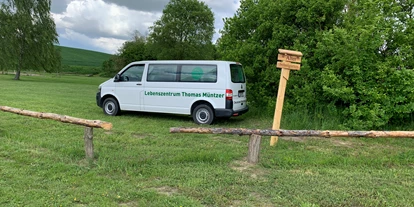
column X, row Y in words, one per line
column 162, row 73
column 198, row 73
column 132, row 74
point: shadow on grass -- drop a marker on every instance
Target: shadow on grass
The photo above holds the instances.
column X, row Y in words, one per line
column 181, row 118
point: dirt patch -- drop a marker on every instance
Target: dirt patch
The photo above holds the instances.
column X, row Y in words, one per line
column 166, row 190
column 241, row 165
column 244, row 167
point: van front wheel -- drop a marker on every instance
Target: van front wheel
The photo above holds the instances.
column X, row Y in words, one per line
column 110, row 107
column 203, row 114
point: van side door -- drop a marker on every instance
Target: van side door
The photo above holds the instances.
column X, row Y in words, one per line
column 129, row 88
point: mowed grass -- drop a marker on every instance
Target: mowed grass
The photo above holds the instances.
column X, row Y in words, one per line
column 80, row 61
column 81, row 57
column 139, row 163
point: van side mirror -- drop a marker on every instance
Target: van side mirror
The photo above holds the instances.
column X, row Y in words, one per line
column 117, row 77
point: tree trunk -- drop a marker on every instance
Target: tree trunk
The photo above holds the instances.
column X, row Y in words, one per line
column 17, row 76
column 19, row 66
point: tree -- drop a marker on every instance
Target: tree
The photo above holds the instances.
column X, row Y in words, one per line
column 185, row 31
column 135, row 49
column 259, row 28
column 368, row 67
column 358, row 55
column 30, row 34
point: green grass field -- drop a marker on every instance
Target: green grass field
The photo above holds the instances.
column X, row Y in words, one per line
column 80, row 57
column 79, row 61
column 139, row 163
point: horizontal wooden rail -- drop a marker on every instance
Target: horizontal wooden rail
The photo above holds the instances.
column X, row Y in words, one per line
column 58, row 117
column 89, row 124
column 296, row 133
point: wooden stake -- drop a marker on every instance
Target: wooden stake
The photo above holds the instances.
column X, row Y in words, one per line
column 254, row 148
column 289, row 61
column 88, row 137
column 284, row 77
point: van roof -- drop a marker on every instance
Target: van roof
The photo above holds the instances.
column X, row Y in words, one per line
column 186, row 61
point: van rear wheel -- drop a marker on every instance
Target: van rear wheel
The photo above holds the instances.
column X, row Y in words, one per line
column 110, row 107
column 203, row 114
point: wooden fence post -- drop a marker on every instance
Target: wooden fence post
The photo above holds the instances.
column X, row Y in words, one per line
column 254, row 148
column 88, row 137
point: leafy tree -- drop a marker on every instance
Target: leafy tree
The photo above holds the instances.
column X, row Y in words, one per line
column 358, row 55
column 28, row 34
column 185, row 31
column 135, row 49
column 368, row 61
column 259, row 28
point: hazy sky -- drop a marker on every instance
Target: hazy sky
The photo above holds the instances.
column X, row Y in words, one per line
column 103, row 25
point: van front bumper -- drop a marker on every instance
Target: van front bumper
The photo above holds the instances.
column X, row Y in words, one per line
column 230, row 112
column 98, row 99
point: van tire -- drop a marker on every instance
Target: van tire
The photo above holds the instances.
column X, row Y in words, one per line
column 203, row 114
column 110, row 107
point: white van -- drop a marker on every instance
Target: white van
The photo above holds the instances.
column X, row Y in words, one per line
column 203, row 89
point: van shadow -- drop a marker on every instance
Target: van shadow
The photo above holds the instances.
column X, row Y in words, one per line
column 159, row 116
column 181, row 118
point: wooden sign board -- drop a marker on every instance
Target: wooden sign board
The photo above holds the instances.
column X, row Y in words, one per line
column 289, row 58
column 288, row 65
column 290, row 52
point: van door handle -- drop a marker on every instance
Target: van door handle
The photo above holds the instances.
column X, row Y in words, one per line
column 139, row 84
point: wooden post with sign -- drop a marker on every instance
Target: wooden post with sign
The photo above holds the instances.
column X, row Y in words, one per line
column 288, row 62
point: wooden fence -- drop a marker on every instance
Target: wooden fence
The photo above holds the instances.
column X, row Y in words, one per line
column 256, row 135
column 89, row 124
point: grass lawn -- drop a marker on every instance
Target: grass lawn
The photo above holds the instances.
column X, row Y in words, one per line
column 139, row 163
column 80, row 57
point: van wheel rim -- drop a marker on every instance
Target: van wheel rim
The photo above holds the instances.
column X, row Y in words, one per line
column 203, row 116
column 109, row 108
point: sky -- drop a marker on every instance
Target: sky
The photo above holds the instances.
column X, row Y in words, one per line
column 104, row 25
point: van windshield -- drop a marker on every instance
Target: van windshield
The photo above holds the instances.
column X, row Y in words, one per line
column 237, row 74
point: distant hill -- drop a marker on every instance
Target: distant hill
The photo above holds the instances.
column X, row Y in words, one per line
column 81, row 57
column 81, row 61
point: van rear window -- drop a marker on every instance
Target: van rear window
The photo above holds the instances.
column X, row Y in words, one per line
column 237, row 74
